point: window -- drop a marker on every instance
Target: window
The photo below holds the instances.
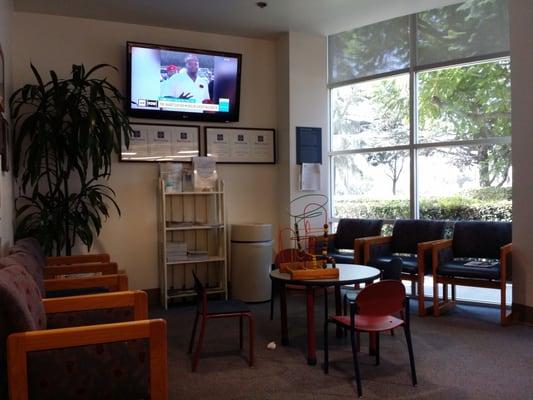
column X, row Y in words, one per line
column 420, row 114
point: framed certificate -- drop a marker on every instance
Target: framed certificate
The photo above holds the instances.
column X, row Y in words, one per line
column 157, row 143
column 241, row 145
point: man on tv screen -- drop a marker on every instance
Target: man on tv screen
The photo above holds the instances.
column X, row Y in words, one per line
column 186, row 84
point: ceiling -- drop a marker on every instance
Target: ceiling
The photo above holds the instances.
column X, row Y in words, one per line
column 236, row 17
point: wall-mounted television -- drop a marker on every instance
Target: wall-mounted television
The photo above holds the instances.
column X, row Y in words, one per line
column 184, row 84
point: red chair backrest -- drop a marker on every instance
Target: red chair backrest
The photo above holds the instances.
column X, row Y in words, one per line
column 382, row 298
column 291, row 255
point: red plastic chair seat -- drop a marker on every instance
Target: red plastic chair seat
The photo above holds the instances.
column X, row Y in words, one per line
column 370, row 323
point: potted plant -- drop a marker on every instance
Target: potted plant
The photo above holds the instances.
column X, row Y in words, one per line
column 66, row 131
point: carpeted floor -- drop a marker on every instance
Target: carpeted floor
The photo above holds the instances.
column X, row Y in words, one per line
column 464, row 354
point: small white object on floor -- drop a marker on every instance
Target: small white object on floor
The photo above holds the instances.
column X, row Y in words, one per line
column 271, row 346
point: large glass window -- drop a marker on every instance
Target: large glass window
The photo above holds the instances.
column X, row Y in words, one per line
column 371, row 185
column 370, row 114
column 453, row 160
column 465, row 102
column 420, row 114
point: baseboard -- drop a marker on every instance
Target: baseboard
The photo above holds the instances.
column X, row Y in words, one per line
column 522, row 313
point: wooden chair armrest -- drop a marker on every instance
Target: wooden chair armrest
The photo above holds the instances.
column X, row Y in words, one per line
column 442, row 244
column 19, row 344
column 78, row 259
column 136, row 299
column 371, row 240
column 421, row 253
column 504, row 252
column 53, row 271
column 114, row 283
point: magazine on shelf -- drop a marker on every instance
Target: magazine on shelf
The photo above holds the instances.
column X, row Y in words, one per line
column 170, row 173
column 205, row 173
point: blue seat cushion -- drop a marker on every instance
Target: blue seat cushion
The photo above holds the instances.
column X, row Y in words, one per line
column 410, row 263
column 458, row 269
column 342, row 257
column 227, row 307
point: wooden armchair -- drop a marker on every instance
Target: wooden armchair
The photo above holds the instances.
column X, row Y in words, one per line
column 95, row 274
column 348, row 235
column 411, row 241
column 55, row 350
column 454, row 262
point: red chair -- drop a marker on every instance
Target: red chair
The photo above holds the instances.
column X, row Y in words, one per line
column 219, row 309
column 374, row 311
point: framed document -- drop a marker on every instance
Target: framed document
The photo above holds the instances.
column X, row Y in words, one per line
column 155, row 143
column 241, row 145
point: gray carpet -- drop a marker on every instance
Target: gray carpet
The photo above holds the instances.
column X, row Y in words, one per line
column 464, row 354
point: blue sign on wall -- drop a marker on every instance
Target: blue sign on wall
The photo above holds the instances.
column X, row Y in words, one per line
column 308, row 145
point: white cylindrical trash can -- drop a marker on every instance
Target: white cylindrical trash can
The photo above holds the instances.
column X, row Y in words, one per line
column 251, row 261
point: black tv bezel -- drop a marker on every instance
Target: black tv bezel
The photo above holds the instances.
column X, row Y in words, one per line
column 181, row 115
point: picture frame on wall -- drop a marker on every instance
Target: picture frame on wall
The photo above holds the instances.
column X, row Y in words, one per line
column 161, row 143
column 241, row 145
column 4, row 128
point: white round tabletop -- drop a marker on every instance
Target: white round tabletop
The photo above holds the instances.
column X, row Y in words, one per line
column 348, row 274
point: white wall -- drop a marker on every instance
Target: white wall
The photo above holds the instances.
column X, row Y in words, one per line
column 52, row 42
column 521, row 18
column 6, row 179
column 302, row 101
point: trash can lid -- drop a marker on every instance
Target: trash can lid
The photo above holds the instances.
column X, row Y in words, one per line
column 251, row 232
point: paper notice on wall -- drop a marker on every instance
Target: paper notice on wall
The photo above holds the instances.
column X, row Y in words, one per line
column 310, row 177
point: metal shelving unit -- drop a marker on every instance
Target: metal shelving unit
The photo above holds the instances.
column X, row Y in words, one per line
column 198, row 220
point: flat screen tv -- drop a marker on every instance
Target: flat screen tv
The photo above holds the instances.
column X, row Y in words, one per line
column 185, row 84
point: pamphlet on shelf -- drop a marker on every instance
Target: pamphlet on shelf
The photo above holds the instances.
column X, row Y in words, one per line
column 205, row 173
column 187, row 179
column 170, row 173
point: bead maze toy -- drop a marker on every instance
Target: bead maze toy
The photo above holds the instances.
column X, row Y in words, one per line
column 304, row 263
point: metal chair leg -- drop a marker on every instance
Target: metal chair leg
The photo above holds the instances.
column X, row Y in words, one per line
column 198, row 346
column 355, row 362
column 240, row 332
column 251, row 333
column 272, row 300
column 411, row 356
column 191, row 342
column 326, row 348
column 377, row 348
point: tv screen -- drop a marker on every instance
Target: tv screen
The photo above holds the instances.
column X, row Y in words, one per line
column 179, row 83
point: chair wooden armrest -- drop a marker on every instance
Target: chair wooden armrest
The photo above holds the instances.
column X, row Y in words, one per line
column 52, row 271
column 20, row 344
column 421, row 256
column 435, row 248
column 504, row 267
column 372, row 240
column 114, row 283
column 136, row 299
column 78, row 259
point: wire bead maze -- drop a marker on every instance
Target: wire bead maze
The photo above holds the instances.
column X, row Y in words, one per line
column 302, row 231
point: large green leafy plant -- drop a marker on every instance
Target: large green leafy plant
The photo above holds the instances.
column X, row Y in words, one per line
column 66, row 131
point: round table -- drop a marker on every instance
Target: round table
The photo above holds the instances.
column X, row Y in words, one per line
column 348, row 274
